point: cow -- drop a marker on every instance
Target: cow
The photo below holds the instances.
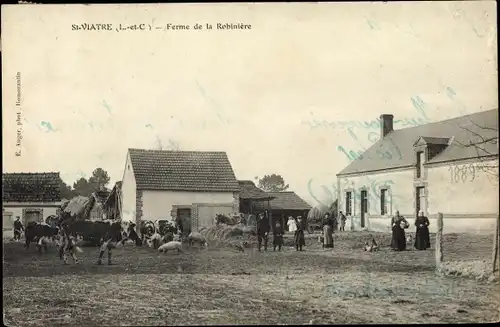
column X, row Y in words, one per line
column 37, row 232
column 147, row 229
column 112, row 239
column 132, row 235
column 107, row 235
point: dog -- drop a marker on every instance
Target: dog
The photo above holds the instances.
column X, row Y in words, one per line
column 373, row 247
column 239, row 248
column 409, row 239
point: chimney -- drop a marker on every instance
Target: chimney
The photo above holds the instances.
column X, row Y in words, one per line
column 386, row 125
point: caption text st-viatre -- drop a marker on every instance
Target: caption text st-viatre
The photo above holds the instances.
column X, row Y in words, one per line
column 163, row 27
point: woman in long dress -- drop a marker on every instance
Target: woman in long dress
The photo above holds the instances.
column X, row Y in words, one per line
column 300, row 240
column 328, row 231
column 399, row 224
column 422, row 239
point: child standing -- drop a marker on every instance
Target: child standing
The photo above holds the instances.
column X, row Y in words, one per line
column 278, row 236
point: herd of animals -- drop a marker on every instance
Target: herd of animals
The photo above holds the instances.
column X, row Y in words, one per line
column 68, row 234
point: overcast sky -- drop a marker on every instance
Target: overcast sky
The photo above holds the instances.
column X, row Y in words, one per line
column 87, row 96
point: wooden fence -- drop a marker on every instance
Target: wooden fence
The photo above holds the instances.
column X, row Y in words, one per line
column 469, row 248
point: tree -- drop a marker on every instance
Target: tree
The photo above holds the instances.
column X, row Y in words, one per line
column 82, row 187
column 99, row 179
column 66, row 191
column 484, row 140
column 272, row 183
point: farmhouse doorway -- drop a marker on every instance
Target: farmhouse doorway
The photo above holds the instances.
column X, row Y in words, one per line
column 184, row 215
column 32, row 215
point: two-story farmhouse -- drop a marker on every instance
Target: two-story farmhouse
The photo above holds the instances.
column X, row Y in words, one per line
column 191, row 185
column 450, row 167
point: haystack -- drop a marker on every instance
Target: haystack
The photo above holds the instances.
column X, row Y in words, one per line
column 226, row 235
column 77, row 205
column 317, row 213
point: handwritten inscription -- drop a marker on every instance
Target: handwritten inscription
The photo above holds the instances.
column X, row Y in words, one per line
column 417, row 103
column 393, row 152
column 165, row 27
column 467, row 173
column 19, row 122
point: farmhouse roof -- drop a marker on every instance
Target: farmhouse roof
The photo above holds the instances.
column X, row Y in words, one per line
column 396, row 148
column 248, row 191
column 287, row 201
column 31, row 187
column 204, row 171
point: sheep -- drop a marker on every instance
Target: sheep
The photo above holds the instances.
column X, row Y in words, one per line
column 173, row 245
column 196, row 237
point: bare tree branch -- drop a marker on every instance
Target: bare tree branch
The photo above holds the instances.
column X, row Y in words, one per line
column 482, row 127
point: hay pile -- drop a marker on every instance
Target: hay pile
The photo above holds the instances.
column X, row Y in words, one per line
column 76, row 205
column 229, row 235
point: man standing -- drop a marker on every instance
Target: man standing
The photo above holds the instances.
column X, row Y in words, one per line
column 18, row 228
column 343, row 219
column 262, row 230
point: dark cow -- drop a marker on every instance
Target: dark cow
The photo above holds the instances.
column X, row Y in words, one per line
column 132, row 234
column 35, row 232
column 107, row 235
column 147, row 229
column 165, row 226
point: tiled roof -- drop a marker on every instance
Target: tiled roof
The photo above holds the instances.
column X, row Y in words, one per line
column 286, row 201
column 248, row 191
column 31, row 187
column 396, row 148
column 183, row 171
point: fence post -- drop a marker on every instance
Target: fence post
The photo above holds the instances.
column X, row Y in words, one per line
column 496, row 245
column 439, row 241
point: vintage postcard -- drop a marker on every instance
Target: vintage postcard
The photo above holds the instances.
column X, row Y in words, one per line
column 250, row 163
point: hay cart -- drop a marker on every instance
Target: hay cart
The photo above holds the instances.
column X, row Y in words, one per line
column 313, row 226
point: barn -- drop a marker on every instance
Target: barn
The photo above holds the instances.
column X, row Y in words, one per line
column 448, row 167
column 30, row 196
column 192, row 186
column 285, row 204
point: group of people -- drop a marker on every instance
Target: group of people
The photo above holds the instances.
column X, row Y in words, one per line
column 422, row 238
column 297, row 225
